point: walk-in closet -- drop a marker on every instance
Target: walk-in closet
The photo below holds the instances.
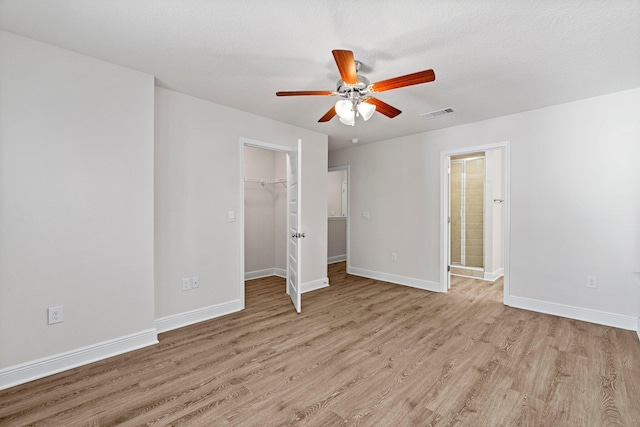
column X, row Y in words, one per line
column 265, row 220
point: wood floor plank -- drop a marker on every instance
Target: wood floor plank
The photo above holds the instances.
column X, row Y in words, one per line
column 363, row 352
column 511, row 409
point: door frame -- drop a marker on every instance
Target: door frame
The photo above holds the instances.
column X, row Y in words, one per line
column 444, row 211
column 348, row 219
column 246, row 142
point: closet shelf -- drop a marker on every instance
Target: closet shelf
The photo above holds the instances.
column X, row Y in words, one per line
column 263, row 181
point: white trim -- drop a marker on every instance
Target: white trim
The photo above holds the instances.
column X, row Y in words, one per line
column 637, row 277
column 265, row 145
column 179, row 320
column 572, row 312
column 257, row 274
column 494, row 276
column 29, row 371
column 399, row 280
column 337, row 258
column 240, row 220
column 471, row 277
column 315, row 285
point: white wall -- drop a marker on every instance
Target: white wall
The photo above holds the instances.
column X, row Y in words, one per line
column 264, row 210
column 575, row 199
column 388, row 180
column 334, row 192
column 337, row 238
column 198, row 180
column 76, row 204
column 78, row 221
column 280, row 216
column 314, row 208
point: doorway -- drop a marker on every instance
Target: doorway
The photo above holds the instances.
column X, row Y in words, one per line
column 338, row 215
column 265, row 215
column 289, row 235
column 475, row 214
column 466, row 209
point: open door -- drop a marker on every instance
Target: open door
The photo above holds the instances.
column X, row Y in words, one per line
column 449, row 223
column 293, row 223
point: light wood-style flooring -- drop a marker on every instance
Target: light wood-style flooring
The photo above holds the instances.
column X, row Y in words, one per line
column 363, row 352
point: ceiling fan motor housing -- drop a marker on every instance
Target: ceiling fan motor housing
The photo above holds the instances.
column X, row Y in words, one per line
column 356, row 91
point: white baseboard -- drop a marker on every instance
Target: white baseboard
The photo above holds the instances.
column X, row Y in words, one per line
column 393, row 278
column 337, row 258
column 29, row 371
column 187, row 318
column 638, row 328
column 304, row 287
column 250, row 275
column 493, row 276
column 315, row 285
column 577, row 313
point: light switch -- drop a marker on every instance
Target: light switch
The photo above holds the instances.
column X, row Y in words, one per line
column 232, row 216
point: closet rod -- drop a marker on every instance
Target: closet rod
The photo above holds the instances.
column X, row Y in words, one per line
column 263, row 181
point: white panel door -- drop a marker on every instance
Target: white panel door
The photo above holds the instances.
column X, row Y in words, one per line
column 293, row 222
column 449, row 223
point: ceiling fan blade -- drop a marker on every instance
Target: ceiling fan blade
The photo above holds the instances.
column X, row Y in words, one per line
column 328, row 116
column 346, row 65
column 402, row 81
column 383, row 107
column 305, row 92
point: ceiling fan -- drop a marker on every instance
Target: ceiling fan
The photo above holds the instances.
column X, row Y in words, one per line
column 355, row 91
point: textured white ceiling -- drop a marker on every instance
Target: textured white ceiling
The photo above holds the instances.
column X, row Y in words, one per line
column 491, row 58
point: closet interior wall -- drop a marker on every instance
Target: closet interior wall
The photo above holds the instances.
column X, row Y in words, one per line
column 265, row 218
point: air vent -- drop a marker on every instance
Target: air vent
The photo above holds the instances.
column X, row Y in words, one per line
column 437, row 113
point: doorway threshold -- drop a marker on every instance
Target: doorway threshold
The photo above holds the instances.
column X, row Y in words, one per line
column 466, row 271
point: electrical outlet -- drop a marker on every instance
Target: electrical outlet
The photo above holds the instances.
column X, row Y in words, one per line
column 186, row 284
column 394, row 256
column 195, row 283
column 592, row 282
column 55, row 315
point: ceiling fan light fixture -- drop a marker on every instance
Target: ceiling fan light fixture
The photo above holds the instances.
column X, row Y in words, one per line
column 366, row 110
column 344, row 109
column 348, row 121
